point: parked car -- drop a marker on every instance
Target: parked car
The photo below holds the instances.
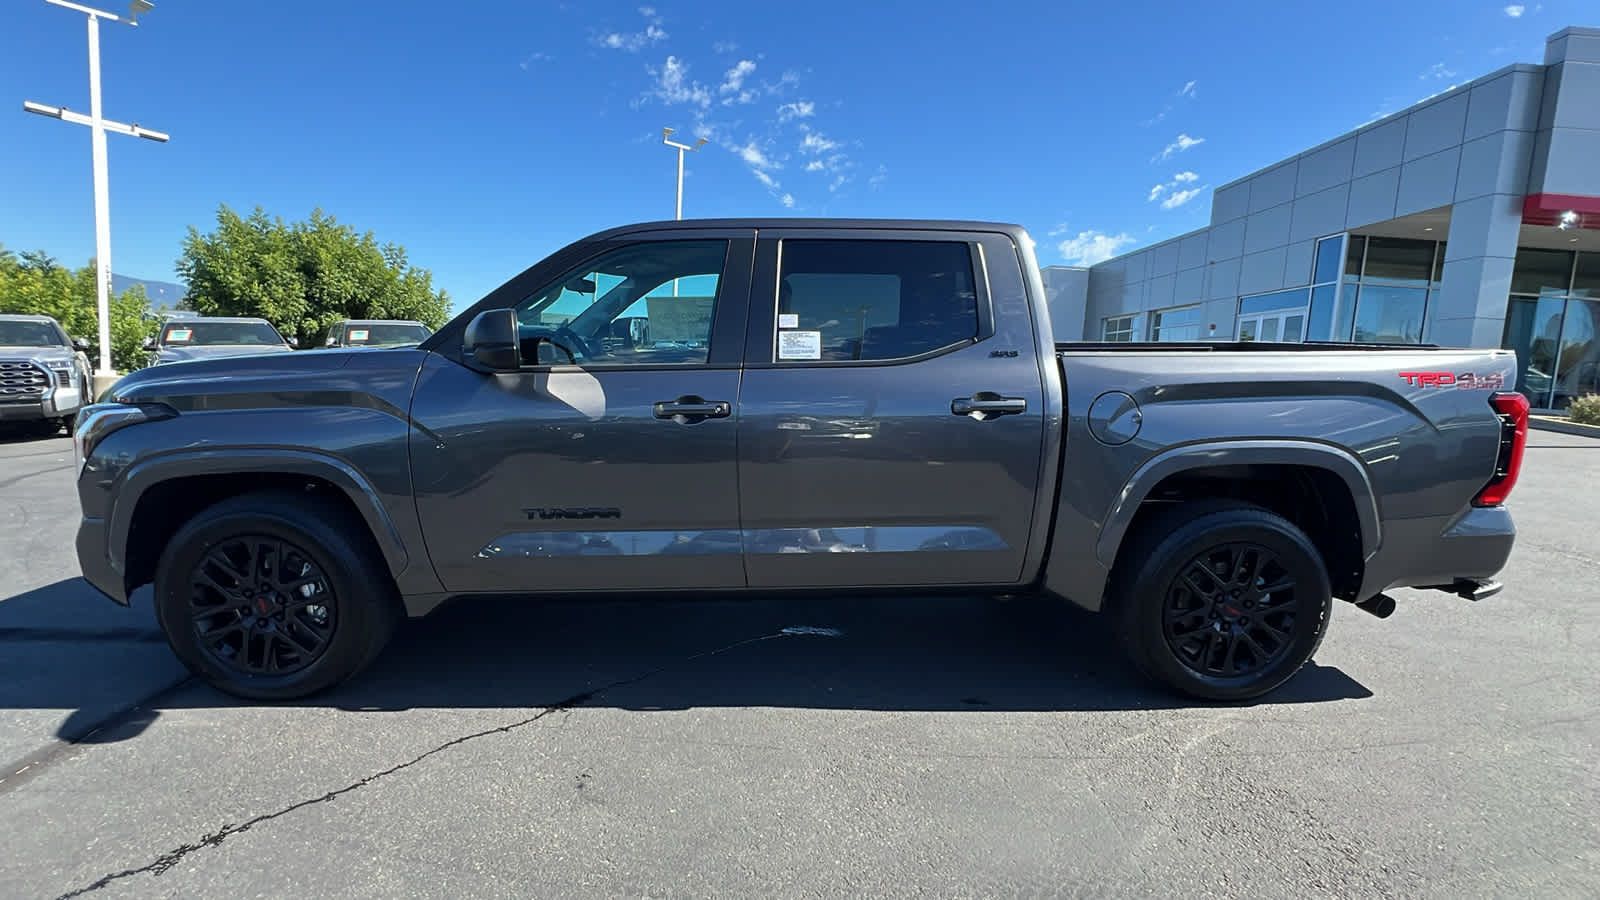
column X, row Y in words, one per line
column 186, row 338
column 44, row 374
column 874, row 406
column 377, row 333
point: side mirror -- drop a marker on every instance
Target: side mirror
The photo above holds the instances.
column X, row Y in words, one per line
column 149, row 343
column 294, row 342
column 80, row 343
column 332, row 341
column 491, row 343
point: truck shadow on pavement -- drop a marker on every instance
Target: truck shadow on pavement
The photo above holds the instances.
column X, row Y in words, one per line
column 902, row 653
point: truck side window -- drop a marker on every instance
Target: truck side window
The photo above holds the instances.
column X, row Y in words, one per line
column 873, row 299
column 643, row 304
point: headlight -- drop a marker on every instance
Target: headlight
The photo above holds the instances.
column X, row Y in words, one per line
column 100, row 419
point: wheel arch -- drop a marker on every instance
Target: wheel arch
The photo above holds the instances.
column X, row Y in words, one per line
column 1322, row 489
column 157, row 496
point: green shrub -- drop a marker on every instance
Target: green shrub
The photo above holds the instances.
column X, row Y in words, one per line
column 1586, row 409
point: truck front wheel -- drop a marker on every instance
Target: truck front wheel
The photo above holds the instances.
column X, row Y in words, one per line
column 273, row 596
column 1222, row 601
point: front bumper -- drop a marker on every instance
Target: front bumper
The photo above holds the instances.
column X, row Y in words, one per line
column 96, row 562
column 59, row 403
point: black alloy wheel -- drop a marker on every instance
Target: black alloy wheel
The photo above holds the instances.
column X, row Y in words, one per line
column 1220, row 600
column 275, row 595
column 1231, row 611
column 261, row 606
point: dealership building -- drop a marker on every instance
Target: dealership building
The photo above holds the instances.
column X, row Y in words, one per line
column 1470, row 219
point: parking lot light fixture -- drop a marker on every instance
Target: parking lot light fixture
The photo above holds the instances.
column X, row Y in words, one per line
column 98, row 126
column 666, row 138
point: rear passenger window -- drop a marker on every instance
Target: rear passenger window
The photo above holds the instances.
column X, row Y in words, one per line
column 873, row 300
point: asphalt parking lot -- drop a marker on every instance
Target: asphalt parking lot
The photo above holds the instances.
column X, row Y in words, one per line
column 944, row 747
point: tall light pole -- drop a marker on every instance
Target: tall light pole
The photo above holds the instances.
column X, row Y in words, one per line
column 666, row 138
column 98, row 126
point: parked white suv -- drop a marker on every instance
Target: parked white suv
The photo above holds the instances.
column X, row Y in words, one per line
column 44, row 374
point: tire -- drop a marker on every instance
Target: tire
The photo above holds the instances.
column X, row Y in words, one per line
column 1226, row 637
column 69, row 422
column 275, row 596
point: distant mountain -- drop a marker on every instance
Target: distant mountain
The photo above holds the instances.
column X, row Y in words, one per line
column 164, row 295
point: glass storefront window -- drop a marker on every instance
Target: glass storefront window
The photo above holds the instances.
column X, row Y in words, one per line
column 1399, row 260
column 1541, row 272
column 1320, row 325
column 1438, row 264
column 1347, row 313
column 1578, row 366
column 1278, row 300
column 1327, row 267
column 1181, row 324
column 1586, row 280
column 1387, row 314
column 1358, row 251
column 1533, row 328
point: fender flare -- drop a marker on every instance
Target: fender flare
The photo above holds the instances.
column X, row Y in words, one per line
column 1309, row 454
column 145, row 474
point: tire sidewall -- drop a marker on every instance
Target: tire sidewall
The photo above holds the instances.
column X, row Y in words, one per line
column 1313, row 599
column 329, row 550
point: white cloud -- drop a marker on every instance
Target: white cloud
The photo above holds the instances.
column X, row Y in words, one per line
column 879, row 177
column 756, row 158
column 814, row 142
column 837, row 183
column 785, row 81
column 724, row 47
column 1183, row 143
column 535, row 57
column 1091, row 247
column 1516, row 10
column 803, row 109
column 1058, row 230
column 1175, row 197
column 815, row 166
column 634, row 41
column 765, row 179
column 733, row 83
column 674, row 86
column 787, row 200
column 1437, row 70
column 1179, row 198
column 1188, row 90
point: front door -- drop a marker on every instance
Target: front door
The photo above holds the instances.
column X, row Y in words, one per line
column 891, row 424
column 609, row 460
column 1281, row 326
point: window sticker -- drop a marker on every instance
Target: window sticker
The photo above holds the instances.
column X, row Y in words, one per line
column 358, row 334
column 788, row 320
column 799, row 345
column 179, row 335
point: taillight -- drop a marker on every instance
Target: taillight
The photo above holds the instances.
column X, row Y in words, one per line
column 1513, row 412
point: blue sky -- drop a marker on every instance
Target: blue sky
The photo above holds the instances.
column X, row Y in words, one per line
column 483, row 135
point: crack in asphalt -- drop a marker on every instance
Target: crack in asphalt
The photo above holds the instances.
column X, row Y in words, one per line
column 162, row 863
column 26, row 475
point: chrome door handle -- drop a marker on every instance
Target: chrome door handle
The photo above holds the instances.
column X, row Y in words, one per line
column 986, row 405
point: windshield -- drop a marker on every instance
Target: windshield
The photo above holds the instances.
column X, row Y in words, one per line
column 29, row 334
column 384, row 334
column 210, row 334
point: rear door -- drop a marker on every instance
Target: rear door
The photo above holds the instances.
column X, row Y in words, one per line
column 609, row 462
column 891, row 427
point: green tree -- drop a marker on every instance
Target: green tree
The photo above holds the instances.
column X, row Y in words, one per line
column 303, row 277
column 37, row 285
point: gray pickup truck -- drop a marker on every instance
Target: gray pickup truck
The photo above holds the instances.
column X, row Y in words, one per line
column 698, row 407
column 44, row 374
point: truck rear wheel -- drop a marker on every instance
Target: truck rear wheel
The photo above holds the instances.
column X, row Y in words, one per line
column 1222, row 601
column 273, row 596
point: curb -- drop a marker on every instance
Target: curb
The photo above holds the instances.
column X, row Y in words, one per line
column 1563, row 426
